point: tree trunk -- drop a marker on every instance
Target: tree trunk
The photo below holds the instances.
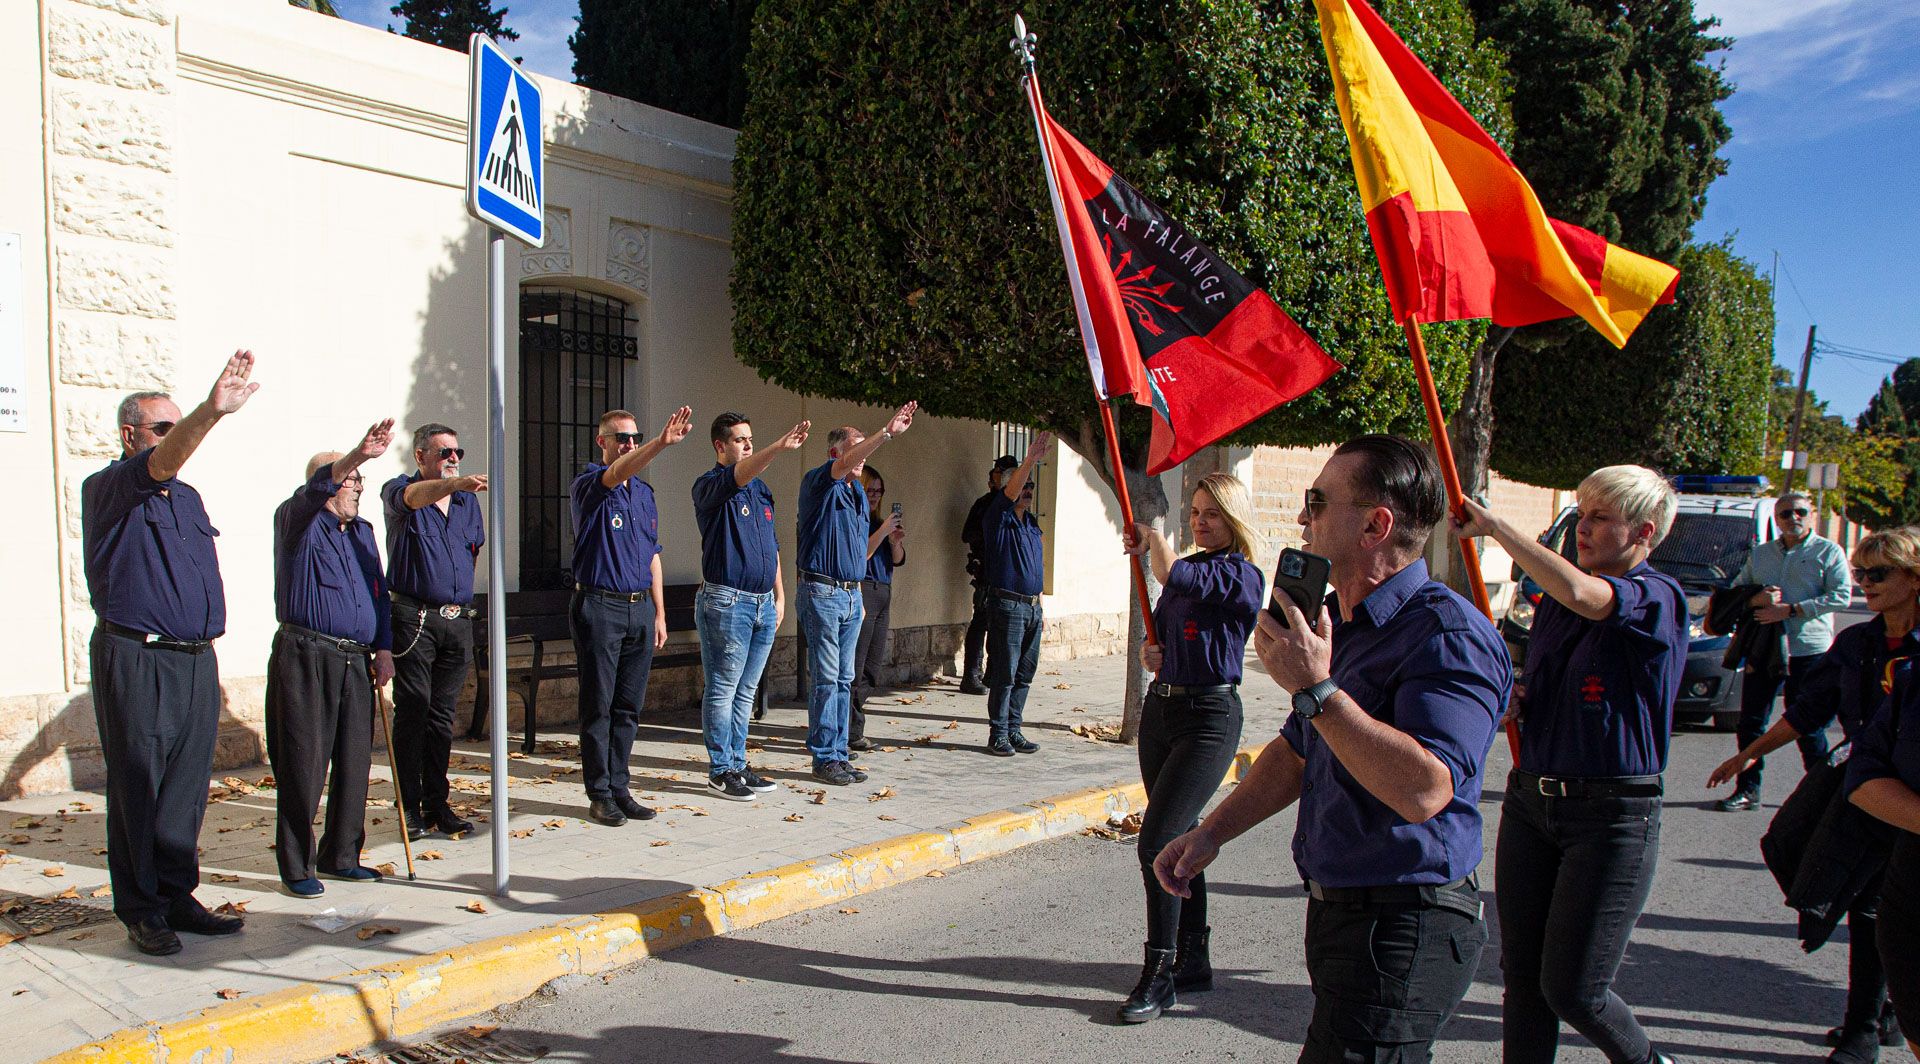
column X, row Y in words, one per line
column 1470, row 432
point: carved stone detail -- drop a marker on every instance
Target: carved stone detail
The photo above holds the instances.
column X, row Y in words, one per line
column 557, row 255
column 629, row 254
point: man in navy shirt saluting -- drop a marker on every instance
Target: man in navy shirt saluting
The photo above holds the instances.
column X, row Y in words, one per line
column 833, row 559
column 155, row 584
column 434, row 536
column 618, row 616
column 742, row 599
column 1395, row 704
column 335, row 644
column 1014, row 577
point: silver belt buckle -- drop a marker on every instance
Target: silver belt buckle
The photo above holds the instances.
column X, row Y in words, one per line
column 1552, row 788
column 450, row 611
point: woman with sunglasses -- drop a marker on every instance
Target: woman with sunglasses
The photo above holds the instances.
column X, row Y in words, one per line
column 1883, row 778
column 1849, row 682
column 1190, row 726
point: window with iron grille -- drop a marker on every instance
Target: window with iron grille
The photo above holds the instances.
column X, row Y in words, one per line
column 578, row 353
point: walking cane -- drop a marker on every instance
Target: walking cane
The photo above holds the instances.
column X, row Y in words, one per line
column 399, row 803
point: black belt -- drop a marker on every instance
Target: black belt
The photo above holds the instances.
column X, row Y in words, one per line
column 182, row 646
column 340, row 643
column 1177, row 690
column 1015, row 596
column 642, row 595
column 1461, row 894
column 452, row 611
column 1589, row 787
column 816, row 578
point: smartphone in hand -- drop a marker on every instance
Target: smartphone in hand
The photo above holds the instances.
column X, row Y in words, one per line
column 1303, row 578
column 896, row 509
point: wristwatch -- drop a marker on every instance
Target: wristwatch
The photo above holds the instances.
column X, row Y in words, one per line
column 1310, row 702
column 885, row 435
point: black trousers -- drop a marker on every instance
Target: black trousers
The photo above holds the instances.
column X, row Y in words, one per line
column 613, row 642
column 158, row 712
column 976, row 644
column 319, row 712
column 870, row 653
column 1573, row 875
column 1386, row 978
column 428, row 673
column 1899, row 932
column 1186, row 747
column 1756, row 712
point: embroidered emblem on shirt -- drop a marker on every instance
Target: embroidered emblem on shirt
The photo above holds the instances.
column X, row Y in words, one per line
column 1190, row 631
column 767, row 512
column 1593, row 689
column 618, row 521
column 743, row 510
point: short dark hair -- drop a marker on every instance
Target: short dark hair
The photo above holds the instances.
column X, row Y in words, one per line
column 1402, row 476
column 725, row 421
column 428, row 431
column 839, row 436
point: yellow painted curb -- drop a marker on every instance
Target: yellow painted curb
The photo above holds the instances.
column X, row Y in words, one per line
column 320, row 1019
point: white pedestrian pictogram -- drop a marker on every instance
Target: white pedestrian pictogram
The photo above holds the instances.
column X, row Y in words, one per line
column 507, row 170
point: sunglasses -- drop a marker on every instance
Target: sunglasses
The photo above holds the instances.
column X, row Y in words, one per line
column 1876, row 575
column 453, row 452
column 354, row 481
column 1316, row 501
column 1797, row 511
column 158, row 428
column 625, row 437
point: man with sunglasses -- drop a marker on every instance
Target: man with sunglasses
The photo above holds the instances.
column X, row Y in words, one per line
column 335, row 635
column 1803, row 580
column 617, row 614
column 434, row 536
column 155, row 584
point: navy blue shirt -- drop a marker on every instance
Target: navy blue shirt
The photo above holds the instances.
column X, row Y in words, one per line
column 880, row 564
column 149, row 553
column 1600, row 693
column 1014, row 561
column 616, row 532
column 1205, row 614
column 832, row 526
column 1889, row 747
column 325, row 577
column 738, row 548
column 1850, row 680
column 1424, row 660
column 430, row 555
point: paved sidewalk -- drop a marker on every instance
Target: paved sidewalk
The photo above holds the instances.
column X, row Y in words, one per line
column 69, row 987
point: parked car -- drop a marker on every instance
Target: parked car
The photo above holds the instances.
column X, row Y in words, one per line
column 1719, row 522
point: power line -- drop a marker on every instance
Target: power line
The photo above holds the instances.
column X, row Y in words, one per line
column 1791, row 283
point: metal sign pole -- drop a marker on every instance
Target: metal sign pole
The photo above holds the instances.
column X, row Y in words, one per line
column 497, row 541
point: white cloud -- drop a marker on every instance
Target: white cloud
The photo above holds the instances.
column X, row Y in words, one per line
column 1747, row 18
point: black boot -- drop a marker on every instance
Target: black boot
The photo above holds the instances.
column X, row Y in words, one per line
column 1857, row 1045
column 1154, row 993
column 1193, row 970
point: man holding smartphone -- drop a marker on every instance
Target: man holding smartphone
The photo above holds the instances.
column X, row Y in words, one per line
column 886, row 551
column 1395, row 706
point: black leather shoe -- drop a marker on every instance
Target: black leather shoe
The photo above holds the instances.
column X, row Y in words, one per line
column 606, row 812
column 1739, row 802
column 998, row 746
column 854, row 771
column 972, row 685
column 153, row 937
column 833, row 772
column 194, row 918
column 415, row 832
column 1888, row 1029
column 1154, row 993
column 448, row 822
column 1192, row 967
column 633, row 809
column 1022, row 744
column 862, row 744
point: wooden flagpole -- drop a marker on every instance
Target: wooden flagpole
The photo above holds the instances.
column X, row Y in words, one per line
column 1456, row 498
column 1126, row 515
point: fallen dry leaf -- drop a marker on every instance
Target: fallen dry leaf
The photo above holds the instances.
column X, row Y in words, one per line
column 101, row 852
column 694, row 809
column 516, row 755
column 884, row 816
column 431, row 855
column 228, row 993
column 26, row 822
column 817, row 797
column 385, row 868
column 53, row 871
column 556, row 822
column 70, row 892
column 951, row 725
column 475, row 906
column 78, row 937
column 223, row 877
column 81, row 807
column 371, row 930
column 1126, row 825
column 236, row 784
column 480, row 1030
column 232, row 908
column 793, row 818
column 848, row 911
column 881, row 795
column 520, row 833
column 457, row 836
column 1063, row 687
column 104, row 890
column 266, row 782
column 936, row 874
column 659, row 842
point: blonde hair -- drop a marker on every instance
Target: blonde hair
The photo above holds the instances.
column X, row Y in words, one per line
column 1898, row 547
column 1236, row 505
column 1639, row 493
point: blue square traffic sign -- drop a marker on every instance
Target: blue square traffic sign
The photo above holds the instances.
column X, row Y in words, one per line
column 506, row 177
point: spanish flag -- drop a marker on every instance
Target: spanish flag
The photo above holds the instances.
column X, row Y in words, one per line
column 1459, row 232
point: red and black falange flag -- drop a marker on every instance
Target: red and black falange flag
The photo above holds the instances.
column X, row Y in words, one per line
column 1163, row 319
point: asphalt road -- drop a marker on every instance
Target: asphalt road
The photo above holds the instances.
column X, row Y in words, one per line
column 1024, row 957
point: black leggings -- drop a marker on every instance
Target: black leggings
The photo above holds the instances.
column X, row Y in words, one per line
column 1186, row 747
column 1899, row 932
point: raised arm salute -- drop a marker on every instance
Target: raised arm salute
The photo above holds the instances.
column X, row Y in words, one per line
column 1015, row 575
column 154, row 580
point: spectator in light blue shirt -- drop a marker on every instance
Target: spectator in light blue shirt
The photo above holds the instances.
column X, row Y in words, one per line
column 1803, row 580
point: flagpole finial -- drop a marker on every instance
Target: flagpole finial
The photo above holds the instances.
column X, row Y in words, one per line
column 1023, row 42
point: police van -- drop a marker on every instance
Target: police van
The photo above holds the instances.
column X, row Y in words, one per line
column 1719, row 521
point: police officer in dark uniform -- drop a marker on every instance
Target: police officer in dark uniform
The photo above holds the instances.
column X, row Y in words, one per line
column 434, row 536
column 155, row 584
column 973, row 680
column 335, row 644
column 1394, row 710
column 618, row 616
column 1014, row 577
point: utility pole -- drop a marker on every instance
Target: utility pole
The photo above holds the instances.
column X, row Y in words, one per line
column 1799, row 406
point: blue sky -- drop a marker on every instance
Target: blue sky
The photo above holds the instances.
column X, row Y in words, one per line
column 1824, row 157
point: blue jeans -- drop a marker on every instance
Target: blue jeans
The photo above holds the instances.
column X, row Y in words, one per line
column 736, row 635
column 1013, row 656
column 830, row 621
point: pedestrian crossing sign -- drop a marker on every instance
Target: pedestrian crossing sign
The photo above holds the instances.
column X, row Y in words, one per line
column 506, row 178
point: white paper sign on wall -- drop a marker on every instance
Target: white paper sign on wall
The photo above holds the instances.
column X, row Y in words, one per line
column 506, row 146
column 13, row 338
